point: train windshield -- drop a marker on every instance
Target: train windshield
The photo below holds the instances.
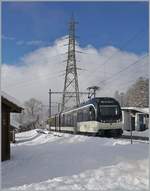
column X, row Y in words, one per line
column 111, row 110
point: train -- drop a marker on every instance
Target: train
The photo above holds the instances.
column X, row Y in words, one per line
column 100, row 116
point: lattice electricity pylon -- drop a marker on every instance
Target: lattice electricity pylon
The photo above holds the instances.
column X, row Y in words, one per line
column 71, row 77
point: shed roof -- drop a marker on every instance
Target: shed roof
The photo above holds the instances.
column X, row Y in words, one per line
column 144, row 110
column 11, row 102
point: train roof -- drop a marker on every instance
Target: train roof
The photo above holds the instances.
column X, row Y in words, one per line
column 97, row 99
column 94, row 101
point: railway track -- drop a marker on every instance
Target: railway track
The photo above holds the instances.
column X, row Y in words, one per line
column 134, row 137
column 128, row 137
column 139, row 139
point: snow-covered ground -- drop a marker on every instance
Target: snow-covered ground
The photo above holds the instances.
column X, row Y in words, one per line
column 58, row 161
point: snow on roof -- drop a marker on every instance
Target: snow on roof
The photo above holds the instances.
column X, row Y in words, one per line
column 139, row 109
column 11, row 99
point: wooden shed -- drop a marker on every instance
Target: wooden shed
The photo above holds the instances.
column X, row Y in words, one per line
column 8, row 105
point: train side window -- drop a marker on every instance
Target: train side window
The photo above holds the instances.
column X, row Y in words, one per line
column 80, row 116
column 68, row 119
column 71, row 119
column 74, row 119
column 85, row 115
column 65, row 120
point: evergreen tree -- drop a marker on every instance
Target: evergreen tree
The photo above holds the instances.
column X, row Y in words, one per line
column 138, row 94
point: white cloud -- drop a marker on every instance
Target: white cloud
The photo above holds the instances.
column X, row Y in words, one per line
column 34, row 42
column 30, row 43
column 7, row 37
column 42, row 69
column 24, row 43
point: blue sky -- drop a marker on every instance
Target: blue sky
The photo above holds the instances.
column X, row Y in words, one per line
column 28, row 26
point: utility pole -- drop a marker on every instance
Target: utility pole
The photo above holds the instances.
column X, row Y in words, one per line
column 71, row 77
column 50, row 109
column 131, row 137
column 59, row 104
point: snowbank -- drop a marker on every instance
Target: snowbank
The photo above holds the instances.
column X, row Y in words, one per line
column 120, row 177
column 36, row 137
column 26, row 134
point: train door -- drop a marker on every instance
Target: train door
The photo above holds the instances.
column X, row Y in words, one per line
column 75, row 122
column 55, row 122
column 79, row 116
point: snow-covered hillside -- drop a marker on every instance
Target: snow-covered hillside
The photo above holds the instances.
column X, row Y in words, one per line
column 58, row 161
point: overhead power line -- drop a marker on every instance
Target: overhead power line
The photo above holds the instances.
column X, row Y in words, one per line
column 122, row 84
column 121, row 47
column 124, row 69
column 48, row 76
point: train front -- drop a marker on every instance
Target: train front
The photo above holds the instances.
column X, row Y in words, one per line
column 109, row 116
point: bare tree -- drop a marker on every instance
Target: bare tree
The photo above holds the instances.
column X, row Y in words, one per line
column 32, row 115
column 33, row 110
